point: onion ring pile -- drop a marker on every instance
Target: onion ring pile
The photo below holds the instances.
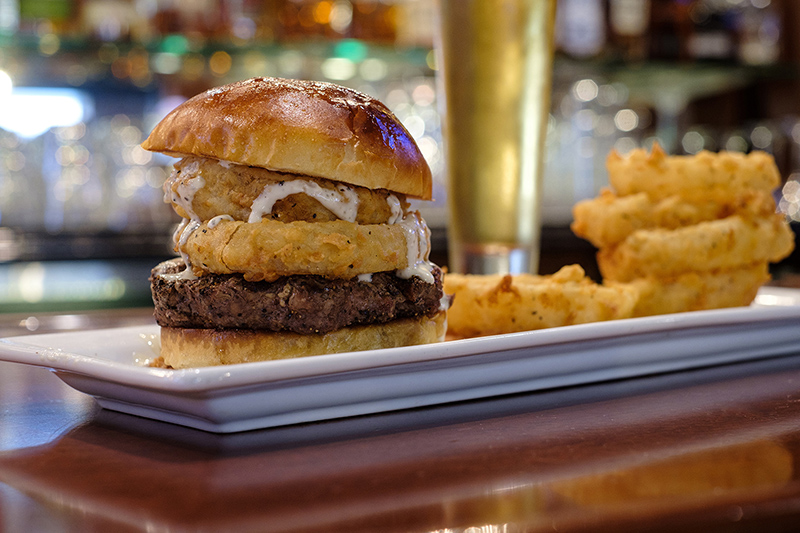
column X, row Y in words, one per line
column 689, row 232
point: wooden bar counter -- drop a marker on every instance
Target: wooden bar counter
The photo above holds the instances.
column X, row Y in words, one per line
column 713, row 449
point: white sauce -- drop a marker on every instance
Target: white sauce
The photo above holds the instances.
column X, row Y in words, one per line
column 396, row 208
column 366, row 278
column 342, row 201
column 183, row 195
column 182, row 234
column 214, row 222
column 418, row 242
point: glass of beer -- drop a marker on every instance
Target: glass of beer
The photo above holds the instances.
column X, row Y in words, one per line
column 495, row 78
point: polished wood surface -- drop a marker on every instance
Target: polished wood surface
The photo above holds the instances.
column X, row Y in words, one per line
column 714, row 449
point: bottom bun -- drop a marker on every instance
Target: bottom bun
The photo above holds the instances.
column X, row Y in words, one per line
column 188, row 347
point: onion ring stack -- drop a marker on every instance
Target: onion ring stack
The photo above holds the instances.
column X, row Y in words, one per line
column 689, row 232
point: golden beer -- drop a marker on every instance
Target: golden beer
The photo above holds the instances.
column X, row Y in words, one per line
column 495, row 67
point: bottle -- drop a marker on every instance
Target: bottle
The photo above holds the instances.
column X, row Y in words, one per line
column 628, row 22
column 714, row 36
column 670, row 29
column 580, row 28
column 759, row 34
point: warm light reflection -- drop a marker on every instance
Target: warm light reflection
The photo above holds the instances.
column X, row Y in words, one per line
column 586, row 90
column 762, row 137
column 373, row 69
column 736, row 143
column 220, row 63
column 49, row 44
column 338, row 68
column 341, row 16
column 626, row 120
column 692, row 142
column 31, row 283
column 322, row 12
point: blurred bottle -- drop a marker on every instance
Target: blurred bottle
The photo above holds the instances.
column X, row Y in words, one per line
column 375, row 20
column 628, row 22
column 114, row 21
column 670, row 29
column 166, row 19
column 759, row 33
column 251, row 20
column 415, row 22
column 580, row 28
column 303, row 19
column 714, row 32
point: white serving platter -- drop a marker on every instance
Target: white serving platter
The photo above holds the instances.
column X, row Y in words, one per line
column 111, row 366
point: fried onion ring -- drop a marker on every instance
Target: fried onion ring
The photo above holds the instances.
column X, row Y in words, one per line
column 230, row 189
column 704, row 176
column 608, row 219
column 269, row 249
column 718, row 244
column 497, row 304
column 696, row 291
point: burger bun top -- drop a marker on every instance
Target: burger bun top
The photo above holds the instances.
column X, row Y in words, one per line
column 311, row 128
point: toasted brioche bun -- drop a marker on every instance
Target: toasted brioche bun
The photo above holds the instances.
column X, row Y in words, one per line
column 190, row 348
column 301, row 127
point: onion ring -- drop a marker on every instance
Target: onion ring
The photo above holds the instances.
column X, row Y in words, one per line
column 608, row 219
column 496, row 304
column 230, row 189
column 704, row 176
column 269, row 249
column 718, row 244
column 696, row 291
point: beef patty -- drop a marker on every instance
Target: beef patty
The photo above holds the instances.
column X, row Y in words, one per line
column 301, row 304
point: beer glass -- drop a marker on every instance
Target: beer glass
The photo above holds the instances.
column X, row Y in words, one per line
column 495, row 76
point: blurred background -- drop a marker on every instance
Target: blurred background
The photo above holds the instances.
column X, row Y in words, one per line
column 82, row 219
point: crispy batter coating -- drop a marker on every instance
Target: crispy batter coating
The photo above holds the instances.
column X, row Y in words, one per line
column 230, row 189
column 608, row 219
column 705, row 176
column 675, row 234
column 697, row 291
column 718, row 244
column 687, row 232
column 269, row 249
column 496, row 304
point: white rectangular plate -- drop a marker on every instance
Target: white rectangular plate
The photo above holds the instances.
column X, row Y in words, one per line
column 108, row 365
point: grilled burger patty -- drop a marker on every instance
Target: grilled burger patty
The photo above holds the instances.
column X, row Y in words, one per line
column 300, row 304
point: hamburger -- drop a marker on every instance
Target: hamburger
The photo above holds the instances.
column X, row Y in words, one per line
column 297, row 235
